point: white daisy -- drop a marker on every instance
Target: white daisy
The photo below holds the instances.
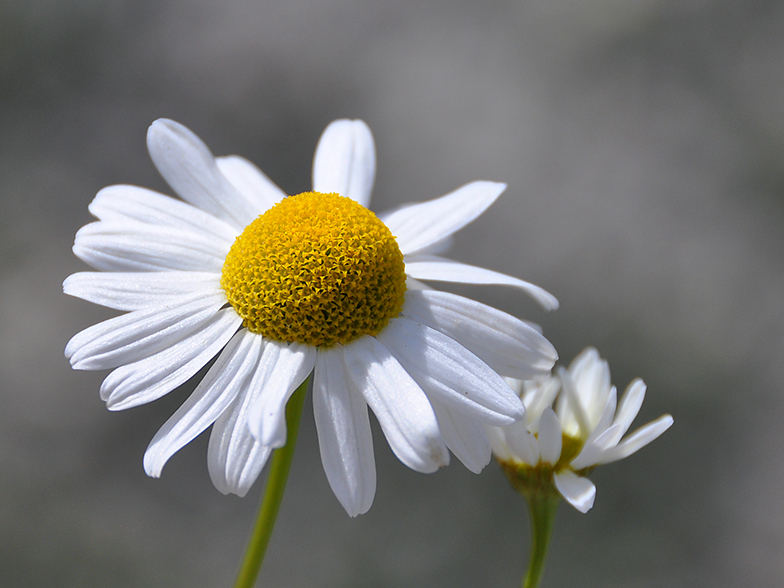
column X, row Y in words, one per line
column 564, row 445
column 281, row 287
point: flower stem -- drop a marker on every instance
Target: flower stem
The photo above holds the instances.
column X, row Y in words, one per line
column 273, row 493
column 543, row 507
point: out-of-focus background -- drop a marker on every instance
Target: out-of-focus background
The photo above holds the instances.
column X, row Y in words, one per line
column 643, row 145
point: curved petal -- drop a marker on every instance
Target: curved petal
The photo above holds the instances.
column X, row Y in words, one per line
column 550, row 440
column 418, row 226
column 285, row 367
column 123, row 203
column 150, row 378
column 139, row 290
column 630, row 405
column 637, row 440
column 141, row 333
column 117, row 246
column 438, row 269
column 189, row 168
column 343, row 428
column 578, row 491
column 345, row 161
column 250, row 182
column 214, row 394
column 402, row 409
column 234, row 457
column 464, row 436
column 508, row 345
column 450, row 373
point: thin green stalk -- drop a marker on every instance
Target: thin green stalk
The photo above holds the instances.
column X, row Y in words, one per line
column 273, row 493
column 543, row 507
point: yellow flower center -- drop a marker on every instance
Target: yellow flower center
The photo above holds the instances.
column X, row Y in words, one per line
column 315, row 268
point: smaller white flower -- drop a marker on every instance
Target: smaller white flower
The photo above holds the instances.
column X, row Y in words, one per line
column 573, row 423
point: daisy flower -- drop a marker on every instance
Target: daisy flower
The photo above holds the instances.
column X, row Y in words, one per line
column 276, row 288
column 559, row 447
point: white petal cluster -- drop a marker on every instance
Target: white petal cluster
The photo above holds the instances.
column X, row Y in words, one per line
column 574, row 423
column 431, row 376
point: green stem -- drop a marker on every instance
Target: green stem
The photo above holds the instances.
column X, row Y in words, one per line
column 273, row 493
column 543, row 507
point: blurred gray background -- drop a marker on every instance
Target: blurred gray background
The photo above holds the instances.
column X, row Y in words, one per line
column 643, row 145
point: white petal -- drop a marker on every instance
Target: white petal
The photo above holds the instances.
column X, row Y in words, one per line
column 550, row 440
column 630, row 405
column 431, row 267
column 343, row 427
column 214, row 394
column 523, row 445
column 537, row 396
column 497, row 438
column 508, row 345
column 464, row 436
column 138, row 290
column 250, row 182
column 150, row 378
column 345, row 161
column 605, row 420
column 234, row 457
column 285, row 367
column 569, row 405
column 124, row 246
column 141, row 333
column 578, row 491
column 596, row 448
column 637, row 440
column 124, row 203
column 418, row 226
column 187, row 165
column 591, row 376
column 450, row 373
column 402, row 409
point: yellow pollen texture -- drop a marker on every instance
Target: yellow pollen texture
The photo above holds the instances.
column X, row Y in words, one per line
column 317, row 269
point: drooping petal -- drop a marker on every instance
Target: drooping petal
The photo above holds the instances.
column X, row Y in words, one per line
column 464, row 436
column 418, row 226
column 345, row 161
column 223, row 382
column 432, row 267
column 141, row 333
column 637, row 440
column 189, row 167
column 343, row 428
column 578, row 491
column 234, row 457
column 138, row 290
column 550, row 440
column 250, row 182
column 403, row 411
column 450, row 373
column 115, row 246
column 150, row 378
column 285, row 367
column 123, row 203
column 510, row 346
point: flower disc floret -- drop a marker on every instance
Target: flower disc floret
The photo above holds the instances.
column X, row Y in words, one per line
column 317, row 269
